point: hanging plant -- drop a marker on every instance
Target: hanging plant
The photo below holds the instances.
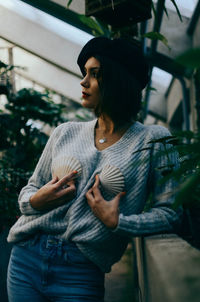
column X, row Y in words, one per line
column 119, row 12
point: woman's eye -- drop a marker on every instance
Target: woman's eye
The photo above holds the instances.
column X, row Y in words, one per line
column 95, row 74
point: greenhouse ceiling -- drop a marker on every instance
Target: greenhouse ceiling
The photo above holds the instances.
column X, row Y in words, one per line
column 46, row 38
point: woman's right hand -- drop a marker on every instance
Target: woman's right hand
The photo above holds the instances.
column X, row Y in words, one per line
column 55, row 193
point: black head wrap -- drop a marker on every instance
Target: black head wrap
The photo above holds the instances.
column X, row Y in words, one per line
column 119, row 50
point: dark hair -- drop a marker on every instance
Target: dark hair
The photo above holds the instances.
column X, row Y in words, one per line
column 120, row 92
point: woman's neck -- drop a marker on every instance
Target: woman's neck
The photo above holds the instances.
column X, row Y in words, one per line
column 106, row 125
column 107, row 133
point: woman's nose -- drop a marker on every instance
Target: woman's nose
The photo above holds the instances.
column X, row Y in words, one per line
column 84, row 82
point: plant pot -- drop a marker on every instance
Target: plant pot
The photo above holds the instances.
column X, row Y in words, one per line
column 119, row 12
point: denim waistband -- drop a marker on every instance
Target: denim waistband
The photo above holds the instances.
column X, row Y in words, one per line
column 49, row 246
column 47, row 241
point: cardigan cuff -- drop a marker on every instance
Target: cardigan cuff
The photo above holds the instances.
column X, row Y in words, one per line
column 121, row 228
column 27, row 209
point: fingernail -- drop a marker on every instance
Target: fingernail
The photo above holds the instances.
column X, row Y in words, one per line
column 75, row 172
column 96, row 176
column 123, row 193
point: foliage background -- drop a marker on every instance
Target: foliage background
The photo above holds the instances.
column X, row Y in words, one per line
column 21, row 144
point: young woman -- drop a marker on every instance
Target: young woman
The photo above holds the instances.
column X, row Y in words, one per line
column 86, row 196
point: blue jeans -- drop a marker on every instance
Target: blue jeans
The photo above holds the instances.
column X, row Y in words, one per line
column 47, row 269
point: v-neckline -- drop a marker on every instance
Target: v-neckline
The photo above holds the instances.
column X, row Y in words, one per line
column 118, row 142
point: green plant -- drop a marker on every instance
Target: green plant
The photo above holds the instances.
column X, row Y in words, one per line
column 100, row 28
column 21, row 144
column 187, row 175
column 4, row 68
column 187, row 178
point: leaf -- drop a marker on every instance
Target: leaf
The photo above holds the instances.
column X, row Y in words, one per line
column 164, row 139
column 104, row 26
column 69, row 2
column 151, row 89
column 177, row 10
column 153, row 9
column 186, row 189
column 3, row 65
column 197, row 75
column 80, row 117
column 190, row 58
column 92, row 24
column 153, row 35
column 166, row 12
column 185, row 134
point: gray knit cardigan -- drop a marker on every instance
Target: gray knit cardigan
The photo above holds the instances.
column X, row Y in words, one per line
column 140, row 163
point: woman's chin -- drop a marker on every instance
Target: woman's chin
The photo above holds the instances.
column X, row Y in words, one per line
column 87, row 104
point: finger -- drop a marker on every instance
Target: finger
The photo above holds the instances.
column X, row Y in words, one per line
column 69, row 189
column 90, row 197
column 71, row 182
column 72, row 186
column 67, row 178
column 89, row 191
column 95, row 188
column 54, row 180
column 97, row 181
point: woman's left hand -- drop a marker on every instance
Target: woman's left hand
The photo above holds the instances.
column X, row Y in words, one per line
column 107, row 212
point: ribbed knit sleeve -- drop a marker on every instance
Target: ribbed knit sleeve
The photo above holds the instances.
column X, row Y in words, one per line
column 41, row 176
column 161, row 217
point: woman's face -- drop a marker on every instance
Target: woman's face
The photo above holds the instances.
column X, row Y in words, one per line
column 90, row 85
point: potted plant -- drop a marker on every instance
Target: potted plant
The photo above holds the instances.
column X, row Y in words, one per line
column 119, row 12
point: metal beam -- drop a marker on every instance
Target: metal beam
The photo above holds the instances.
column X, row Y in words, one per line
column 14, row 44
column 194, row 20
column 44, row 43
column 169, row 65
column 185, row 104
column 60, row 12
column 157, row 22
column 157, row 116
column 47, row 75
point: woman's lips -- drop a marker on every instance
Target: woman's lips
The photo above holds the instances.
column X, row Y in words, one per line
column 85, row 95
